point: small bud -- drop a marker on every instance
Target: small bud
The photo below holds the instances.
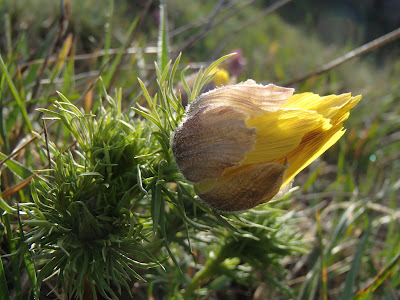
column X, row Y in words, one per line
column 241, row 144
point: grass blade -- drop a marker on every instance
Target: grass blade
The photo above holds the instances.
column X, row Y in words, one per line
column 15, row 93
column 3, row 284
column 18, row 169
column 352, row 275
column 7, row 208
column 157, row 206
column 29, row 265
column 379, row 279
column 16, row 276
column 324, row 268
column 342, row 224
column 163, row 47
column 108, row 31
column 111, row 72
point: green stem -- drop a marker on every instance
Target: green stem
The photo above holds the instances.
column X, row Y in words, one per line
column 14, row 258
column 206, row 273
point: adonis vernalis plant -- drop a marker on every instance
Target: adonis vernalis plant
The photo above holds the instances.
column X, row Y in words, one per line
column 115, row 206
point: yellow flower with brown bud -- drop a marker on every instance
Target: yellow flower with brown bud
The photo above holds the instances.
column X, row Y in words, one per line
column 241, row 144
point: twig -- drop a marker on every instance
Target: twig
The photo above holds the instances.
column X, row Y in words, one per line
column 86, row 56
column 14, row 153
column 19, row 186
column 94, row 74
column 379, row 42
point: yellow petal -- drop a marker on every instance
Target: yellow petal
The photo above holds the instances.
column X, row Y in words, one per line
column 332, row 107
column 243, row 187
column 343, row 113
column 280, row 132
column 312, row 101
column 312, row 146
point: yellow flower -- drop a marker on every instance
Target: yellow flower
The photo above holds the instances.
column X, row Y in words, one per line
column 242, row 144
column 221, row 77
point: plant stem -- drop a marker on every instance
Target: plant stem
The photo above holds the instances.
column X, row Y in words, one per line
column 204, row 274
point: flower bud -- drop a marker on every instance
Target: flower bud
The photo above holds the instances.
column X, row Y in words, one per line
column 241, row 144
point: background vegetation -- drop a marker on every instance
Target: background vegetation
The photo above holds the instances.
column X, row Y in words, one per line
column 110, row 216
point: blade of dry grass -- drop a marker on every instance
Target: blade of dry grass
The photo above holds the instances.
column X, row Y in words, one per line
column 379, row 279
column 18, row 187
column 163, row 42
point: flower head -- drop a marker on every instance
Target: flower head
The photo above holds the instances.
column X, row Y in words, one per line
column 241, row 144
